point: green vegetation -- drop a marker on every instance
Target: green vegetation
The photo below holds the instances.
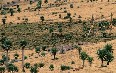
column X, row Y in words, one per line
column 83, row 56
column 16, row 56
column 23, row 44
column 90, row 60
column 106, row 54
column 33, row 69
column 78, row 48
column 52, row 35
column 51, row 67
column 41, row 65
column 27, row 65
column 54, row 52
column 63, row 67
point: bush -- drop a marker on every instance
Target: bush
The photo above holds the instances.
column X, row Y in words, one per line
column 37, row 50
column 72, row 62
column 2, row 69
column 43, row 54
column 103, row 25
column 41, row 65
column 4, row 58
column 12, row 68
column 114, row 21
column 33, row 70
column 63, row 67
column 71, row 5
column 16, row 55
column 51, row 67
column 25, row 57
column 68, row 36
column 36, row 65
column 1, row 62
column 44, row 48
column 27, row 65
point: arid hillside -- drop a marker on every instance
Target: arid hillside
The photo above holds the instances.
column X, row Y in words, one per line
column 84, row 9
column 64, row 36
column 67, row 58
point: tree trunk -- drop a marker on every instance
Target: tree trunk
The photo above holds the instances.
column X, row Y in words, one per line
column 22, row 59
column 7, row 59
column 102, row 63
column 90, row 64
column 83, row 62
column 108, row 63
column 54, row 56
column 79, row 53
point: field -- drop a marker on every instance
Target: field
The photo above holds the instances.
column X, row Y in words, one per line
column 59, row 29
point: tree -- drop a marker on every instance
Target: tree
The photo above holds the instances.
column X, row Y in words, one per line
column 39, row 4
column 42, row 19
column 109, row 57
column 19, row 9
column 108, row 47
column 60, row 30
column 101, row 55
column 51, row 29
column 31, row 2
column 90, row 59
column 37, row 50
column 78, row 48
column 68, row 15
column 6, row 45
column 54, row 51
column 23, row 44
column 11, row 11
column 83, row 56
column 4, row 20
column 45, row 1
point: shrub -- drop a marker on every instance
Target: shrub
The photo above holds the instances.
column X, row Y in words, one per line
column 41, row 65
column 36, row 65
column 25, row 57
column 37, row 50
column 33, row 70
column 90, row 59
column 27, row 65
column 12, row 68
column 1, row 62
column 43, row 54
column 71, row 5
column 2, row 69
column 4, row 58
column 72, row 62
column 51, row 67
column 16, row 55
column 44, row 48
column 63, row 67
column 114, row 21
